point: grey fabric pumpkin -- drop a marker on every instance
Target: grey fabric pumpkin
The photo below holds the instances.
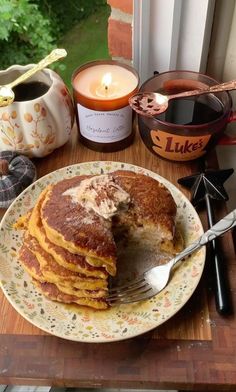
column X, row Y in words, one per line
column 16, row 173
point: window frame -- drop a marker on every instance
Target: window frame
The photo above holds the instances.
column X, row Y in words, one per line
column 183, row 45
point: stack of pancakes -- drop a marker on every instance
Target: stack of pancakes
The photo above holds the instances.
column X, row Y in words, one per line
column 70, row 247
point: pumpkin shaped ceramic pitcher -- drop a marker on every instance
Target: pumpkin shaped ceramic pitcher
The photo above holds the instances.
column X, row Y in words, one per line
column 42, row 115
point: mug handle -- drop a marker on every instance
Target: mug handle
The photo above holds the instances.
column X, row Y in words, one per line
column 228, row 140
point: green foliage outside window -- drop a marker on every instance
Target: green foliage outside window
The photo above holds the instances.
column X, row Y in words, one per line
column 30, row 29
column 25, row 34
column 65, row 14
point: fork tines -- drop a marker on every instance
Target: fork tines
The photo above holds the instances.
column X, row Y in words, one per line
column 137, row 290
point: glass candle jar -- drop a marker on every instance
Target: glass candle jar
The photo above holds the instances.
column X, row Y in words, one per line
column 101, row 91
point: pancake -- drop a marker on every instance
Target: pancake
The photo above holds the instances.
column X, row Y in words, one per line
column 30, row 263
column 55, row 273
column 78, row 226
column 81, row 293
column 62, row 256
column 69, row 225
column 151, row 214
column 149, row 217
column 32, row 266
column 52, row 292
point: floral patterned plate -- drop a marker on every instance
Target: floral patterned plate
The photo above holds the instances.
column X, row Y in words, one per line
column 84, row 324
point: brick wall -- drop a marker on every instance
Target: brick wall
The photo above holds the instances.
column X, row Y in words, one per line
column 120, row 25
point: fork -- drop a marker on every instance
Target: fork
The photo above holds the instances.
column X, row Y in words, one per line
column 155, row 280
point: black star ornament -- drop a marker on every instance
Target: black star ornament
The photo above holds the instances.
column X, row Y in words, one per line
column 208, row 183
column 207, row 186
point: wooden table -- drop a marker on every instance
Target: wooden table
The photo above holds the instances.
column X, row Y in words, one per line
column 194, row 350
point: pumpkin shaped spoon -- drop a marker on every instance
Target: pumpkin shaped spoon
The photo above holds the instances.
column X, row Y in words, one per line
column 151, row 104
column 7, row 95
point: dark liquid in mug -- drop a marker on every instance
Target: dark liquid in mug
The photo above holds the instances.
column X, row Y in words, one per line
column 29, row 91
column 192, row 111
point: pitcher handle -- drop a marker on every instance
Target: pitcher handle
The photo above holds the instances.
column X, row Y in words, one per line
column 226, row 140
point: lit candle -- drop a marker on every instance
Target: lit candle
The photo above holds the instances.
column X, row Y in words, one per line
column 101, row 93
column 107, row 88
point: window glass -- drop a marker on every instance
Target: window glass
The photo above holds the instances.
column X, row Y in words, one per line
column 30, row 29
column 86, row 41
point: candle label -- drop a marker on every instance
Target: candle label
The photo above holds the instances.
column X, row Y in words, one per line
column 105, row 127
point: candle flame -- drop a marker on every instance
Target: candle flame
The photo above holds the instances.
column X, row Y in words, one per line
column 106, row 80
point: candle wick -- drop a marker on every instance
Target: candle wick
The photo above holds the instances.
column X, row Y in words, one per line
column 106, row 87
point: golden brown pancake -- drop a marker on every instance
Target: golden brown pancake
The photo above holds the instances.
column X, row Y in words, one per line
column 71, row 226
column 152, row 211
column 30, row 263
column 70, row 247
column 55, row 273
column 81, row 293
column 62, row 256
column 32, row 266
column 150, row 217
column 52, row 292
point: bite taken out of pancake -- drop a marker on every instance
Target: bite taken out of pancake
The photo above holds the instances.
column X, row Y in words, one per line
column 73, row 234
